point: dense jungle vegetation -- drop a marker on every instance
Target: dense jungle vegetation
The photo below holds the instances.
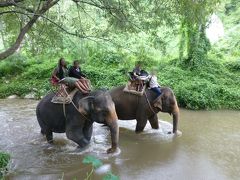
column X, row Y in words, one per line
column 108, row 37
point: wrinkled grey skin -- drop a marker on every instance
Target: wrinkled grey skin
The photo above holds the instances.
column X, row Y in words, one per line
column 130, row 106
column 96, row 107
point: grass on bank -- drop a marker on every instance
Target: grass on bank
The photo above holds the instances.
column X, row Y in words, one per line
column 214, row 85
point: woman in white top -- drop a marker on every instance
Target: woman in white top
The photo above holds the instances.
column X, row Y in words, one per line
column 153, row 84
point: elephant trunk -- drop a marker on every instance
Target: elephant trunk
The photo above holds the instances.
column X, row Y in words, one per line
column 114, row 129
column 175, row 118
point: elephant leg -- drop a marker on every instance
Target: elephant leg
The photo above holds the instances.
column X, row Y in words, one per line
column 49, row 136
column 154, row 121
column 140, row 126
column 87, row 130
column 141, row 121
column 42, row 125
column 76, row 135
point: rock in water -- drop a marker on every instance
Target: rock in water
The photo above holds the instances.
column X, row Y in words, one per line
column 14, row 96
column 30, row 96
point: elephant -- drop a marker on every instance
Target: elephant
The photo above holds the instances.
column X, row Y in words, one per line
column 77, row 118
column 142, row 108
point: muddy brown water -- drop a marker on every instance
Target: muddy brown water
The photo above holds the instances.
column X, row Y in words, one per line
column 209, row 148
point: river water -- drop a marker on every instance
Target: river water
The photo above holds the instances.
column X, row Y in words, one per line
column 209, row 148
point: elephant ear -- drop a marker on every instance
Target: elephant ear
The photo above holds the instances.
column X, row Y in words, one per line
column 85, row 105
column 157, row 103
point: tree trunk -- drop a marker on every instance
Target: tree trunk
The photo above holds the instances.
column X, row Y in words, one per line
column 182, row 41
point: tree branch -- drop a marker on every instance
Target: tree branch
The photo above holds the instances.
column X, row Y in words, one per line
column 9, row 3
column 26, row 28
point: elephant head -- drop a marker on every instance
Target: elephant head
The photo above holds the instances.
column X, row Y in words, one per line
column 167, row 102
column 100, row 108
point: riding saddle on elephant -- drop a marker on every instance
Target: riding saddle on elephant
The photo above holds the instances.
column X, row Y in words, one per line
column 68, row 87
column 137, row 84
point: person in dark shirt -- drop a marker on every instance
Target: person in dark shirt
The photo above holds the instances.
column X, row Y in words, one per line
column 137, row 70
column 75, row 71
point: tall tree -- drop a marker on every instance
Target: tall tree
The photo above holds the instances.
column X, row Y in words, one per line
column 42, row 8
column 32, row 11
column 194, row 16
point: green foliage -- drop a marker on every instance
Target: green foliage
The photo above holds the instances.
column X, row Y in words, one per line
column 231, row 6
column 96, row 163
column 233, row 66
column 34, row 77
column 194, row 17
column 228, row 47
column 211, row 87
column 4, row 160
column 110, row 176
column 13, row 65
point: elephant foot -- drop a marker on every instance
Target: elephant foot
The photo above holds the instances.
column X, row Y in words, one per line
column 49, row 136
column 139, row 131
column 176, row 134
column 81, row 148
column 42, row 132
column 112, row 150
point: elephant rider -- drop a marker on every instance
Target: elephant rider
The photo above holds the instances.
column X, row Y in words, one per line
column 75, row 72
column 59, row 72
column 135, row 77
column 153, row 84
column 136, row 71
column 60, row 76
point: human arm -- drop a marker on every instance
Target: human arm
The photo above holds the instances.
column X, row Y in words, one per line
column 54, row 74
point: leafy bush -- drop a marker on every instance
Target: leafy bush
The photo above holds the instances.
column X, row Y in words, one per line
column 104, row 76
column 233, row 65
column 13, row 65
column 211, row 87
column 4, row 160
